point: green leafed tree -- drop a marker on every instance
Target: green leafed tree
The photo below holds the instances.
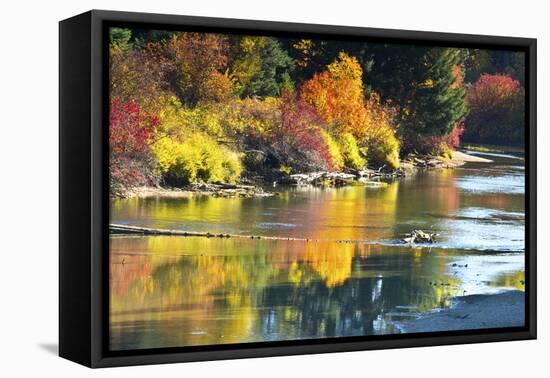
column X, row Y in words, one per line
column 120, row 37
column 260, row 66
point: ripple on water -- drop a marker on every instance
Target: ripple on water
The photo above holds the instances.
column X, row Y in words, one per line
column 272, row 225
column 510, row 184
column 485, row 229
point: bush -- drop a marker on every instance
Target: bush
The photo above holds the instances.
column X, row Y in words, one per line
column 298, row 141
column 378, row 138
column 336, row 160
column 177, row 120
column 250, row 117
column 351, row 153
column 497, row 111
column 196, row 158
column 131, row 131
column 384, row 149
column 436, row 145
column 127, row 173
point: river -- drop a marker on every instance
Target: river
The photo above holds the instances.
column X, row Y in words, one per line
column 183, row 291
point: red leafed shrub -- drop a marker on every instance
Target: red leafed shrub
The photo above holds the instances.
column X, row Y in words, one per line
column 130, row 131
column 299, row 139
column 435, row 144
column 497, row 113
column 452, row 140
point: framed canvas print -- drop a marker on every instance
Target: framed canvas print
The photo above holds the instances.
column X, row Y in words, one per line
column 233, row 188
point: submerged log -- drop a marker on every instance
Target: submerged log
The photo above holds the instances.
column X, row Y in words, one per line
column 120, row 229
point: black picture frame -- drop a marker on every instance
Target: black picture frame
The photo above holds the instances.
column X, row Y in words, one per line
column 84, row 197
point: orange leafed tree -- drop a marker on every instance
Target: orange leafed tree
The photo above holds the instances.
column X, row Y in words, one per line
column 194, row 65
column 338, row 95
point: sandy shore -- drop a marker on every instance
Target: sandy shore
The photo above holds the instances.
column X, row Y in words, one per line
column 461, row 157
column 505, row 309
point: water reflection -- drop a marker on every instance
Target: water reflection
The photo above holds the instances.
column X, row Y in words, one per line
column 198, row 291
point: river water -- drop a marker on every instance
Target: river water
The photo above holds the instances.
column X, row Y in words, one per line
column 182, row 291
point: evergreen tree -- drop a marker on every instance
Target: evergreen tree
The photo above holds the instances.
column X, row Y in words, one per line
column 439, row 103
column 421, row 82
column 273, row 73
column 260, row 66
column 121, row 38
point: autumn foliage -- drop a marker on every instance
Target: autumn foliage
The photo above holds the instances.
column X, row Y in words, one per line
column 497, row 113
column 130, row 134
column 300, row 133
column 191, row 107
column 337, row 95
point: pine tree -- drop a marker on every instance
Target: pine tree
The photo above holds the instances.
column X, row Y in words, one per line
column 260, row 65
column 420, row 81
column 439, row 103
column 274, row 70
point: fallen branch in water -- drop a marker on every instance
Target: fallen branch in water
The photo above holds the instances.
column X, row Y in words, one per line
column 134, row 230
column 119, row 229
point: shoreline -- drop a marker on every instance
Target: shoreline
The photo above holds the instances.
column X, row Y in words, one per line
column 367, row 177
column 479, row 311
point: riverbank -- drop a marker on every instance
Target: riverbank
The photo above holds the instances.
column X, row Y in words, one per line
column 368, row 177
column 198, row 189
column 506, row 309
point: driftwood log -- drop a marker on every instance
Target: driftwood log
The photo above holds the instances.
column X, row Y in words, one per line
column 119, row 229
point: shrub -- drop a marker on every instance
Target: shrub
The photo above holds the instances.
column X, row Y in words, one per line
column 437, row 145
column 251, row 116
column 196, row 158
column 336, row 160
column 497, row 111
column 384, row 150
column 130, row 134
column 378, row 138
column 350, row 152
column 298, row 140
column 177, row 120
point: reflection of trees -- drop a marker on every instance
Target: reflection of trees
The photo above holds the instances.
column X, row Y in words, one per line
column 355, row 213
column 126, row 269
column 500, row 201
column 185, row 296
column 381, row 280
column 256, row 290
column 434, row 192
